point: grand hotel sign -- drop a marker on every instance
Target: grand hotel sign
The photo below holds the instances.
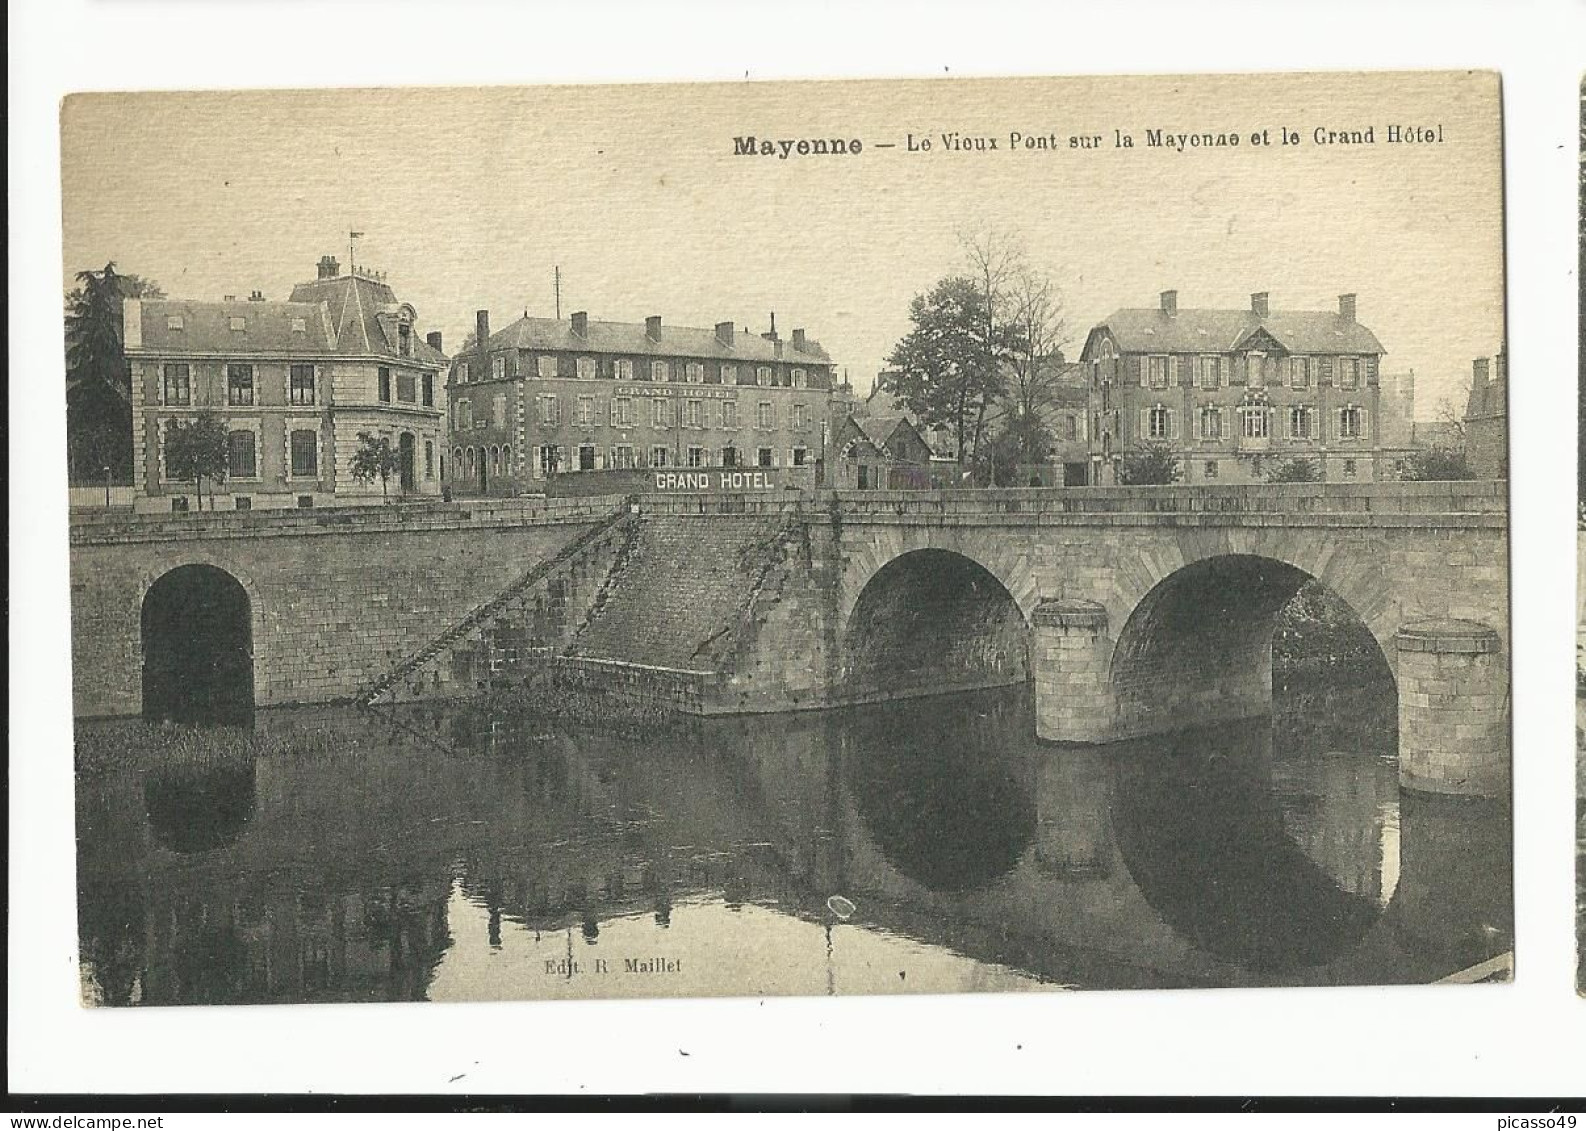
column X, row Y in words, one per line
column 704, row 481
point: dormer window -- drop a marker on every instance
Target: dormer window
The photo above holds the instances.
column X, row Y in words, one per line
column 173, row 322
column 238, row 322
column 404, row 339
column 300, row 325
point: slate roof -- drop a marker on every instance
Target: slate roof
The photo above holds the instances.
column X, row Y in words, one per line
column 1149, row 330
column 348, row 315
column 630, row 338
column 206, row 328
column 878, row 429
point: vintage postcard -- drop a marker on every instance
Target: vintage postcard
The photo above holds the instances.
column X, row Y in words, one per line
column 788, row 538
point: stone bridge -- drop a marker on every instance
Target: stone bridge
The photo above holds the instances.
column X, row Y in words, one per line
column 1132, row 610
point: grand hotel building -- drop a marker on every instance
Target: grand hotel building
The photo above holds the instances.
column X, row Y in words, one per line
column 545, row 397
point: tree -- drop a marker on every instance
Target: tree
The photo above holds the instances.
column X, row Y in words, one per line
column 1296, row 470
column 1149, row 464
column 197, row 451
column 1034, row 311
column 1436, row 463
column 1023, row 438
column 98, row 387
column 375, row 459
column 943, row 370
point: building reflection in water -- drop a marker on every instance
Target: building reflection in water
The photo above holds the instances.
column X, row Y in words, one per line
column 967, row 855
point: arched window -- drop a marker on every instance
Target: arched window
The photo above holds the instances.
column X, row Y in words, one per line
column 470, row 462
column 506, row 459
column 495, row 461
column 429, row 459
column 457, row 460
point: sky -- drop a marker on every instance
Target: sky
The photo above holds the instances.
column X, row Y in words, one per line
column 471, row 198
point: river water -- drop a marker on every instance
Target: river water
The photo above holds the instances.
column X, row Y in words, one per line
column 463, row 853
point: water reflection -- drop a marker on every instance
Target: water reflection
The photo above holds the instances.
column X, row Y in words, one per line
column 467, row 854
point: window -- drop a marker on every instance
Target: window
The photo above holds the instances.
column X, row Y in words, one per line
column 765, row 457
column 300, row 325
column 429, row 390
column 404, row 339
column 622, row 455
column 660, row 413
column 1349, row 373
column 305, row 453
column 178, row 391
column 465, row 415
column 729, row 414
column 239, row 384
column 623, row 368
column 586, row 411
column 1211, row 423
column 550, row 460
column 1300, row 422
column 800, row 379
column 800, row 417
column 1253, row 423
column 457, row 462
column 695, row 373
column 384, row 391
column 1068, row 427
column 1351, row 422
column 660, row 371
column 506, row 458
column 238, row 323
column 693, row 414
column 1256, row 368
column 550, row 410
column 179, row 504
column 462, row 372
column 797, row 456
column 729, row 456
column 1299, row 372
column 622, row 412
column 762, row 376
column 470, row 463
column 429, row 459
column 495, row 461
column 1349, row 469
column 301, row 391
column 1156, row 372
column 659, row 456
column 545, row 365
column 1211, row 469
column 242, row 461
column 696, row 456
column 765, row 415
column 1158, row 422
column 586, row 369
column 499, row 410
column 242, row 503
column 729, row 374
column 173, row 321
column 1208, row 372
column 305, row 502
column 407, row 393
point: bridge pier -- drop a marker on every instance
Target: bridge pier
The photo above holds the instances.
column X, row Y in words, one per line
column 1071, row 654
column 1453, row 708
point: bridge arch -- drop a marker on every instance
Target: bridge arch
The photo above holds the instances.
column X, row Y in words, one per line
column 1197, row 647
column 198, row 623
column 931, row 620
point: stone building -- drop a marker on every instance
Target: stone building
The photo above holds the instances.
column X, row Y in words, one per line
column 294, row 383
column 1487, row 418
column 1232, row 392
column 880, row 453
column 546, row 397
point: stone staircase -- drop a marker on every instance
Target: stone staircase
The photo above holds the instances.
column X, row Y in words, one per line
column 508, row 641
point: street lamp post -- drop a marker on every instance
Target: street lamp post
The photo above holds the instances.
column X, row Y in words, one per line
column 106, row 470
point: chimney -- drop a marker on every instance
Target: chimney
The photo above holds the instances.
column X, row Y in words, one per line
column 1170, row 303
column 770, row 335
column 256, row 296
column 434, row 339
column 652, row 327
column 1258, row 304
column 229, row 298
column 1058, row 358
column 1478, row 388
column 724, row 333
column 481, row 327
column 1478, row 370
column 328, row 267
column 1346, row 307
column 1500, row 367
column 800, row 342
column 581, row 323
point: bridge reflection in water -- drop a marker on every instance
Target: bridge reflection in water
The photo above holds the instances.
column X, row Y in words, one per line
column 454, row 853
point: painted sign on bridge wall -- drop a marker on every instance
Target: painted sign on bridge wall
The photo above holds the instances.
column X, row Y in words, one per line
column 714, row 479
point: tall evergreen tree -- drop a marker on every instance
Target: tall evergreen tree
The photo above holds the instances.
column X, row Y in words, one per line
column 98, row 387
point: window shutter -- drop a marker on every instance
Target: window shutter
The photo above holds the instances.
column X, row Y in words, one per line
column 1145, row 371
column 1364, row 431
column 1145, row 424
column 1195, row 425
column 1172, row 370
column 1172, row 424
